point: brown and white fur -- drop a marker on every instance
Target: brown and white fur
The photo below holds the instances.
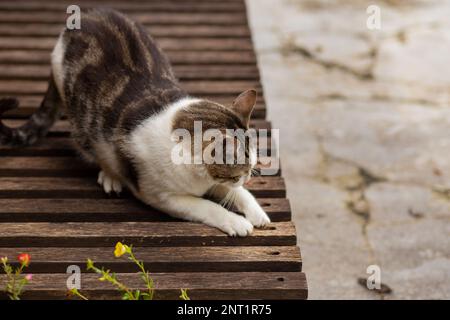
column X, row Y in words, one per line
column 123, row 103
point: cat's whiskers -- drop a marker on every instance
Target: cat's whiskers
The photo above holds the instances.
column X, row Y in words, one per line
column 228, row 201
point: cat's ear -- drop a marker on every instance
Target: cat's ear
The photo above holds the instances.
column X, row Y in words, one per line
column 243, row 105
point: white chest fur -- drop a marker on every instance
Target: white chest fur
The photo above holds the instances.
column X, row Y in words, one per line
column 151, row 144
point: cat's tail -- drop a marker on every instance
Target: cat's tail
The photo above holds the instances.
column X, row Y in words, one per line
column 37, row 125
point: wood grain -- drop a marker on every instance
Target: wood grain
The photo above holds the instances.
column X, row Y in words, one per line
column 155, row 234
column 29, row 104
column 167, row 18
column 60, row 166
column 62, row 128
column 153, row 6
column 200, row 87
column 87, row 187
column 106, row 210
column 157, row 31
column 64, row 146
column 197, row 44
column 183, row 72
column 176, row 57
column 166, row 259
column 201, row 286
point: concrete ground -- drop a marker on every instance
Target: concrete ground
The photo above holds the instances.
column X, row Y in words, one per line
column 365, row 139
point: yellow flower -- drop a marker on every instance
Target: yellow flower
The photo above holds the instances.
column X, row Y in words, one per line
column 120, row 250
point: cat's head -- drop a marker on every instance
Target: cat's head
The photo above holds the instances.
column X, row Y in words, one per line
column 233, row 145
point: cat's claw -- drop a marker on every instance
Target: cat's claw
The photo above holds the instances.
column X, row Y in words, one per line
column 256, row 215
column 236, row 225
column 109, row 184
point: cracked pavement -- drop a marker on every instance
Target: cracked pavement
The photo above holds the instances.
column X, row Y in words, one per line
column 364, row 118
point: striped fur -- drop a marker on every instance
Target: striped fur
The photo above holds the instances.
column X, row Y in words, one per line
column 123, row 102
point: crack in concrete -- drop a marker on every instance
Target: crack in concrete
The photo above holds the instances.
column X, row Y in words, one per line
column 357, row 202
column 289, row 47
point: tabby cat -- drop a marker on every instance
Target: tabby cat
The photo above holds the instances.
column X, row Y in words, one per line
column 123, row 103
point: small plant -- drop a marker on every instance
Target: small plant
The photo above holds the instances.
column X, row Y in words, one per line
column 127, row 293
column 16, row 281
column 184, row 295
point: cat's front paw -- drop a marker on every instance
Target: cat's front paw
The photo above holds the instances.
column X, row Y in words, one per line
column 236, row 225
column 108, row 183
column 256, row 215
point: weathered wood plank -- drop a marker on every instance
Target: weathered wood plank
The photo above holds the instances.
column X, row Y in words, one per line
column 166, row 259
column 63, row 146
column 198, row 72
column 176, row 57
column 201, row 286
column 62, row 127
column 107, row 210
column 203, row 44
column 169, row 31
column 68, row 187
column 62, row 167
column 168, row 18
column 146, row 234
column 29, row 104
column 194, row 87
column 152, row 6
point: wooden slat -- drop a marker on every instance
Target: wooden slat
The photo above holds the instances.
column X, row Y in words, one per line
column 166, row 259
column 172, row 18
column 178, row 31
column 154, row 234
column 201, row 286
column 203, row 44
column 107, row 210
column 176, row 57
column 63, row 146
column 62, row 127
column 166, row 6
column 16, row 87
column 29, row 104
column 198, row 72
column 65, row 187
column 58, row 167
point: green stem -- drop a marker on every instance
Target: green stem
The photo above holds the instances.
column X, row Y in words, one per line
column 147, row 279
column 112, row 280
